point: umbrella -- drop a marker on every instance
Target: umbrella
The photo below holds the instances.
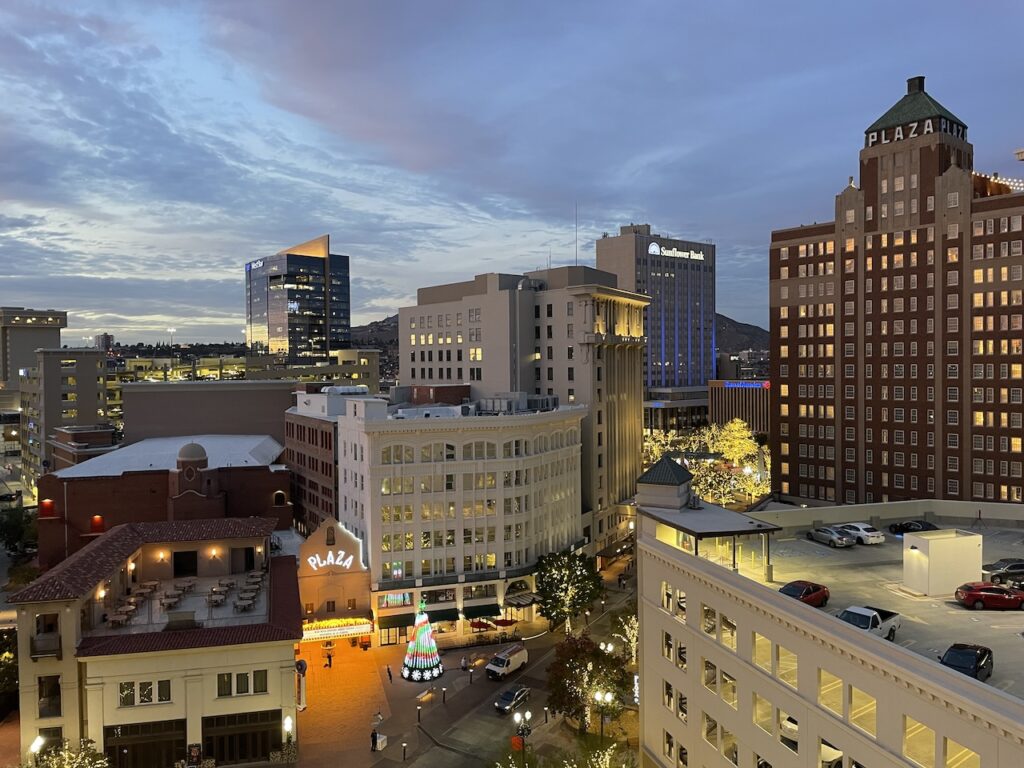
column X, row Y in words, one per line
column 478, row 624
column 505, row 622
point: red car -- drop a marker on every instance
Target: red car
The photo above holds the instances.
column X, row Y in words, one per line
column 807, row 592
column 984, row 594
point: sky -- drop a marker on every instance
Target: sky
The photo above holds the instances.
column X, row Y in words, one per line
column 149, row 150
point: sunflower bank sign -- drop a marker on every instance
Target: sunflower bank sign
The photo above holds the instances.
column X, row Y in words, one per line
column 654, row 249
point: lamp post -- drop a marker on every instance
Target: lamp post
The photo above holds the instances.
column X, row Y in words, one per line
column 523, row 729
column 607, row 647
column 603, row 699
column 37, row 744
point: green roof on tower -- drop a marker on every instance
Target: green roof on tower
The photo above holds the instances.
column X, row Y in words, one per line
column 914, row 107
column 666, row 471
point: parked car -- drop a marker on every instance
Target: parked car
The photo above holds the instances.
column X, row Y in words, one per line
column 1005, row 571
column 807, row 592
column 832, row 536
column 511, row 699
column 877, row 621
column 789, row 729
column 830, row 756
column 973, row 660
column 912, row 526
column 864, row 533
column 984, row 594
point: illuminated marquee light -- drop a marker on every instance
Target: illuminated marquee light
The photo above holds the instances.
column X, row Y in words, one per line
column 656, row 250
column 341, row 558
column 747, row 384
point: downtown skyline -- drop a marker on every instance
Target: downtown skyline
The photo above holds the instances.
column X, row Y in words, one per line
column 148, row 156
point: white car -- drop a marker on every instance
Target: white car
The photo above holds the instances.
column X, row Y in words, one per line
column 864, row 533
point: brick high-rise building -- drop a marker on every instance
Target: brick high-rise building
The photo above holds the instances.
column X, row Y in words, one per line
column 897, row 328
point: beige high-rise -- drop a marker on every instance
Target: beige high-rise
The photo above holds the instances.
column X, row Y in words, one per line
column 568, row 332
column 66, row 388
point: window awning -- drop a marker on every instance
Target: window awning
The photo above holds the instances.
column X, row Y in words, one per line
column 618, row 549
column 481, row 611
column 443, row 614
column 522, row 599
column 397, row 620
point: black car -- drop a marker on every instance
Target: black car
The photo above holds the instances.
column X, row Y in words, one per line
column 511, row 699
column 912, row 526
column 1004, row 571
column 973, row 660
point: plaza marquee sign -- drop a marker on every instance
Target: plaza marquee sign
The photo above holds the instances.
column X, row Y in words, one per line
column 915, row 129
column 654, row 249
column 339, row 558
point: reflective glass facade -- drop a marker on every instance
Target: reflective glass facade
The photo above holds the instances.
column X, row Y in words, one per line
column 297, row 304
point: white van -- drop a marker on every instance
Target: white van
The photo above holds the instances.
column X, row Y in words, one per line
column 512, row 659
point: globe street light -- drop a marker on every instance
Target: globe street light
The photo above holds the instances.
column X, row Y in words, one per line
column 603, row 699
column 523, row 729
column 607, row 647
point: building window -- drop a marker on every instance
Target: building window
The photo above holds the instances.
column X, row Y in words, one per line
column 49, row 696
column 952, row 199
column 330, row 606
column 918, row 742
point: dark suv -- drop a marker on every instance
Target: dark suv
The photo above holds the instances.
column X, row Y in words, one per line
column 973, row 660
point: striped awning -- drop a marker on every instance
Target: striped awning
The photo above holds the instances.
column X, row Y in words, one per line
column 522, row 600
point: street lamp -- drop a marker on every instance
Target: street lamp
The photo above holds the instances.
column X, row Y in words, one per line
column 607, row 647
column 172, row 331
column 37, row 744
column 523, row 729
column 603, row 699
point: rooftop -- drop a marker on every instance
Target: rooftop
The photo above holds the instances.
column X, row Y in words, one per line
column 77, row 576
column 666, row 471
column 915, row 106
column 709, row 520
column 162, row 453
column 275, row 616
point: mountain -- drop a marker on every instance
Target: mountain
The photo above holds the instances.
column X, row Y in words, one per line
column 381, row 333
column 733, row 336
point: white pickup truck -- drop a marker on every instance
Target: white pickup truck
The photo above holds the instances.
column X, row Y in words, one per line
column 877, row 621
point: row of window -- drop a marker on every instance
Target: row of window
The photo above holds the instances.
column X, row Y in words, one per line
column 443, row 321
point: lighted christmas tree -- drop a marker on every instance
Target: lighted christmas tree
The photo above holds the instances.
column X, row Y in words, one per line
column 422, row 661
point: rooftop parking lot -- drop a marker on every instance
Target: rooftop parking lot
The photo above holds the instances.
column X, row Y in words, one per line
column 873, row 575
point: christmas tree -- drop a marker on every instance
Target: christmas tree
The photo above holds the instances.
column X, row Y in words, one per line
column 421, row 659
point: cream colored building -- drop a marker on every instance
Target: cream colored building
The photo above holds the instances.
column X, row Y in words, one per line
column 182, row 667
column 736, row 674
column 453, row 504
column 66, row 388
column 568, row 332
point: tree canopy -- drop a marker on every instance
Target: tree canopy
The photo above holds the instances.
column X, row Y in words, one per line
column 579, row 670
column 567, row 584
column 65, row 756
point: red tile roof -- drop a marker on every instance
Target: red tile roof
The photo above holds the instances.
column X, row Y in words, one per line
column 284, row 623
column 86, row 568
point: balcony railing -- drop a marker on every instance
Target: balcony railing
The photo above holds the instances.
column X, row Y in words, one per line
column 45, row 644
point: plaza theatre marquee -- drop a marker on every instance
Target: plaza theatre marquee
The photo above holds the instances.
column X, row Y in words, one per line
column 334, row 585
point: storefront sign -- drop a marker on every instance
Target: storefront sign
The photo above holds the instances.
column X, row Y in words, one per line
column 747, row 384
column 339, row 558
column 195, row 755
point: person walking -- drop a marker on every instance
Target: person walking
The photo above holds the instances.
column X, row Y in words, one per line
column 391, row 678
column 330, row 660
column 373, row 740
column 464, row 665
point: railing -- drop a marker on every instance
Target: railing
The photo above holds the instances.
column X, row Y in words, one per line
column 45, row 644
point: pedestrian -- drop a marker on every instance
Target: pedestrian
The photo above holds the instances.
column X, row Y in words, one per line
column 373, row 740
column 464, row 665
column 391, row 678
column 330, row 660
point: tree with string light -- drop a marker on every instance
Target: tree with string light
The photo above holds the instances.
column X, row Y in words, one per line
column 567, row 584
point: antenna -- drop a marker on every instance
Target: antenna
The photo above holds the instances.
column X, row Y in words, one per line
column 577, row 204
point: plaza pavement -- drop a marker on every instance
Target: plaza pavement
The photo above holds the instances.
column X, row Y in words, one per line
column 344, row 700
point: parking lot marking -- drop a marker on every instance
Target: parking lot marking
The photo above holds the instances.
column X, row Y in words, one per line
column 907, row 643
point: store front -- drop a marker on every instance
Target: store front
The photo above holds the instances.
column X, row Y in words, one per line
column 334, row 586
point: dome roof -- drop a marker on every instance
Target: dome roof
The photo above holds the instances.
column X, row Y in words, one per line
column 192, row 452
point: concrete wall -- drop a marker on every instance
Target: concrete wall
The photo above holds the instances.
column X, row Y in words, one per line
column 169, row 409
column 937, row 562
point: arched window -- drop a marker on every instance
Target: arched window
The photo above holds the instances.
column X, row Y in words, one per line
column 330, row 536
column 279, row 499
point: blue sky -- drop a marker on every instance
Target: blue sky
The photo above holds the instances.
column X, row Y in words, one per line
column 148, row 150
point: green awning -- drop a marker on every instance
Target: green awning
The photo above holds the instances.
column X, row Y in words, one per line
column 443, row 614
column 397, row 620
column 481, row 611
